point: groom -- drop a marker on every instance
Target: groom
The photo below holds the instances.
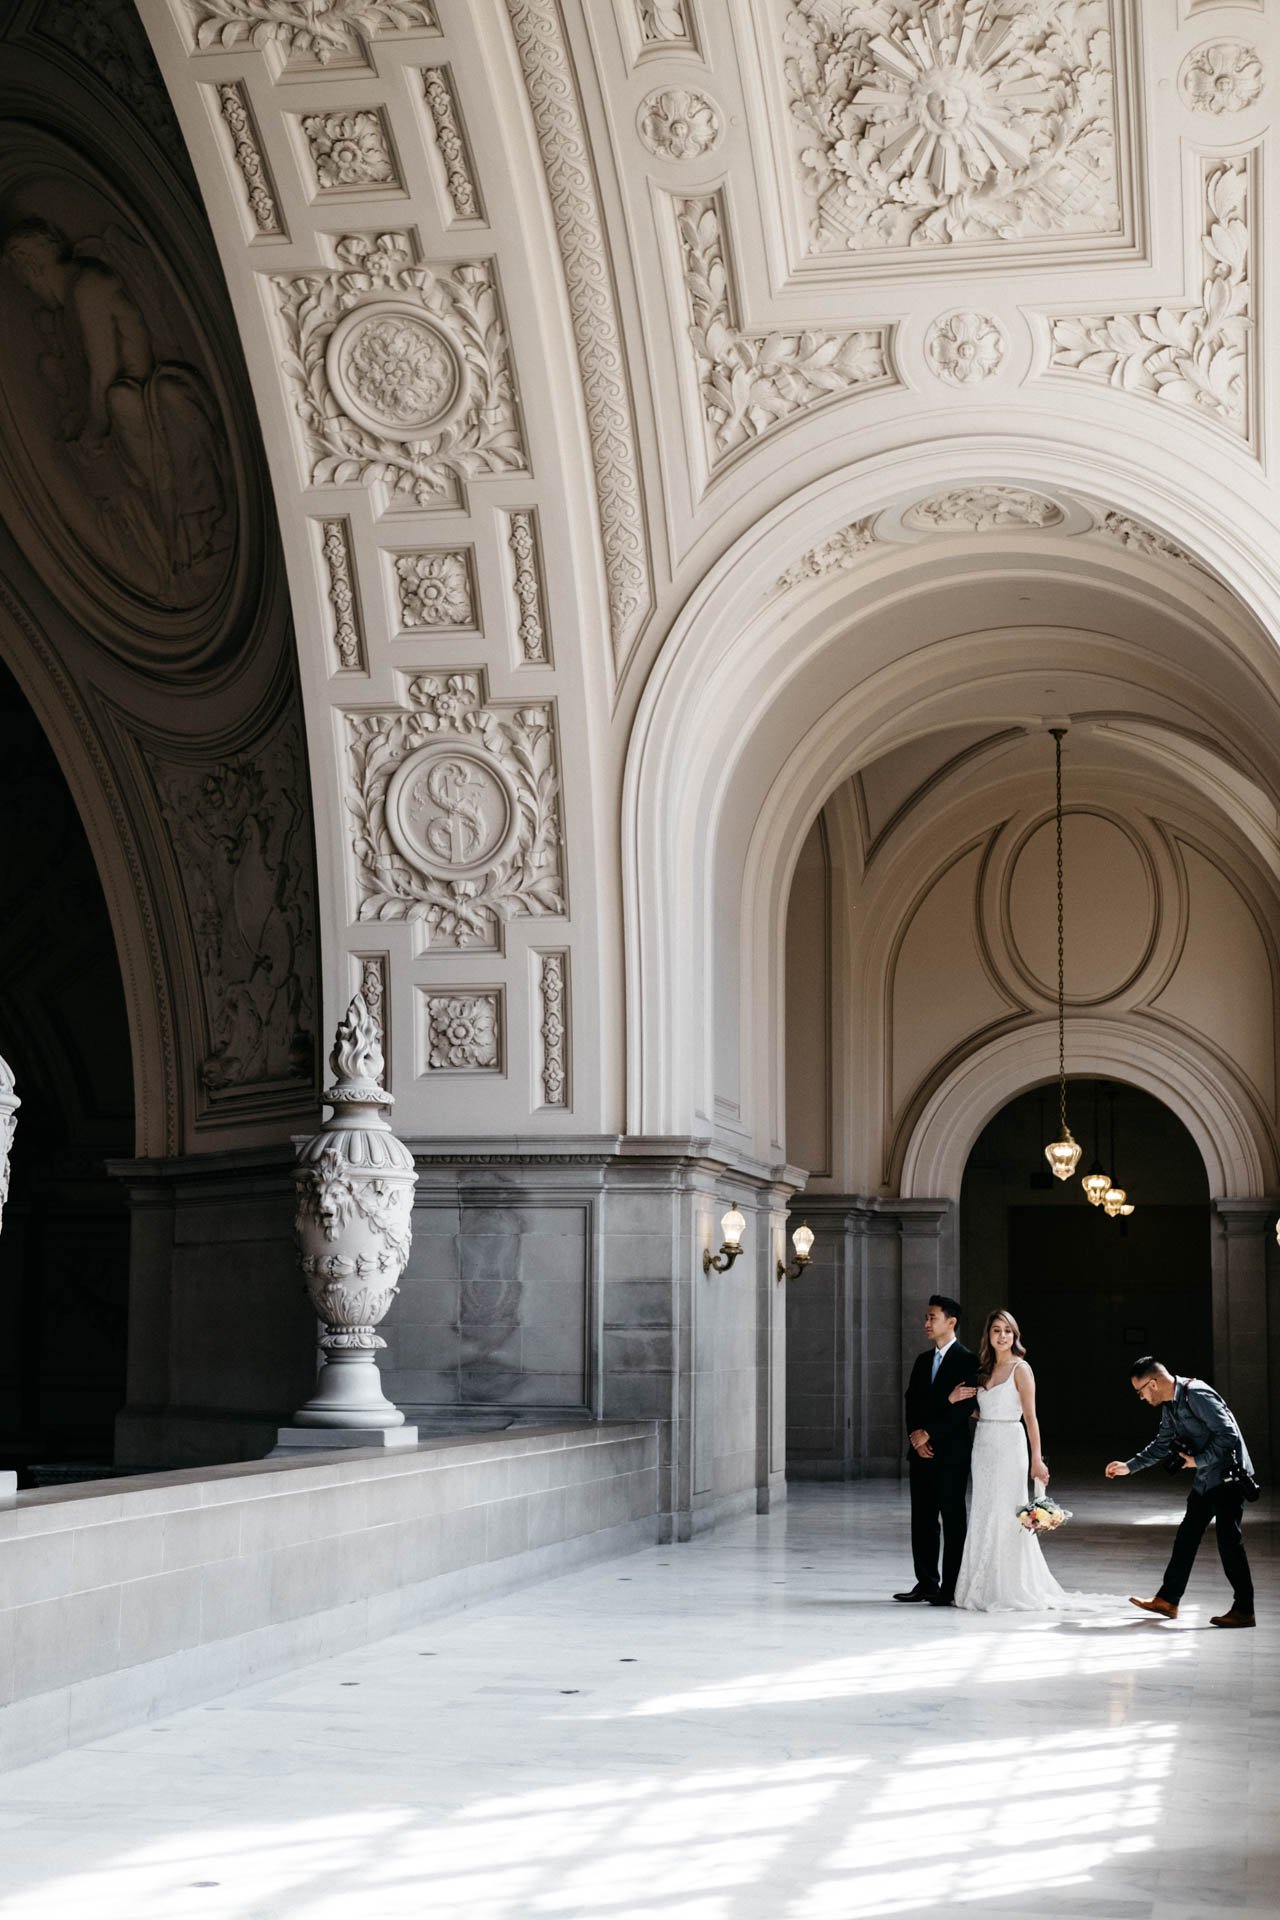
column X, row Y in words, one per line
column 940, row 1437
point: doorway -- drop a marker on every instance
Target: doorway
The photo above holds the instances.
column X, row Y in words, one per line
column 64, row 1243
column 1090, row 1292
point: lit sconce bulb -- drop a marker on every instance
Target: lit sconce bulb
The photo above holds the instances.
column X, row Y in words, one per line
column 1063, row 1156
column 1113, row 1201
column 802, row 1241
column 1126, row 1209
column 733, row 1226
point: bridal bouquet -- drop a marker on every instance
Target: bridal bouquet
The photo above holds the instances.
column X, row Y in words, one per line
column 1043, row 1515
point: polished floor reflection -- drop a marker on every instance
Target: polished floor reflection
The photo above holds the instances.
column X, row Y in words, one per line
column 742, row 1729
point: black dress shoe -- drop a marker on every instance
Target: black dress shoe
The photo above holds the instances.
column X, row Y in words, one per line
column 941, row 1599
column 918, row 1593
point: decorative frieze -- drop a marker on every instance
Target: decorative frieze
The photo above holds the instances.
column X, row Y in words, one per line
column 347, row 633
column 983, row 510
column 434, row 589
column 454, row 809
column 552, row 1013
column 580, row 229
column 1140, row 538
column 462, row 1031
column 234, row 104
column 750, row 383
column 1194, row 355
column 350, row 151
column 965, row 347
column 836, row 555
column 953, row 122
column 531, row 614
column 302, row 28
column 399, row 372
column 1223, row 76
column 678, row 124
column 459, row 174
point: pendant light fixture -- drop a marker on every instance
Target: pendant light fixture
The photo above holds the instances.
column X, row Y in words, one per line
column 1095, row 1182
column 1063, row 1154
column 1115, row 1201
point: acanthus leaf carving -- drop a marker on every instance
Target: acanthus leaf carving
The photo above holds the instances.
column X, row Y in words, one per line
column 663, row 22
column 580, row 227
column 322, row 29
column 455, row 809
column 400, row 372
column 1193, row 355
column 750, row 383
column 836, row 555
column 946, row 122
column 1140, row 538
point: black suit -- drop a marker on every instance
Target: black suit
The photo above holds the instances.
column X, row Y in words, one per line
column 939, row 1486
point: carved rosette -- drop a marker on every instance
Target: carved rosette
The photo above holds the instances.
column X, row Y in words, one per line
column 455, row 810
column 678, row 124
column 1223, row 76
column 354, row 1183
column 9, row 1104
column 964, row 348
column 399, row 372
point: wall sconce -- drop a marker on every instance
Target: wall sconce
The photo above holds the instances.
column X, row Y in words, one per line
column 802, row 1241
column 733, row 1226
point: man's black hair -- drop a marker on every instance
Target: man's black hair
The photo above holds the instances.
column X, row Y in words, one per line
column 950, row 1307
column 1143, row 1368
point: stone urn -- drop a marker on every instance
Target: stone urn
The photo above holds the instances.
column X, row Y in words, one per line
column 355, row 1183
column 9, row 1104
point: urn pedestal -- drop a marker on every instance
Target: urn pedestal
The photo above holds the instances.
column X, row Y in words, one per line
column 355, row 1182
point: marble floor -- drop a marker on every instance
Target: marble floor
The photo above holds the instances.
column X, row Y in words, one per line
column 746, row 1728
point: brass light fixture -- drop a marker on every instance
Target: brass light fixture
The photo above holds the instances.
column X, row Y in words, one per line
column 1095, row 1182
column 733, row 1226
column 1063, row 1154
column 802, row 1241
column 1115, row 1201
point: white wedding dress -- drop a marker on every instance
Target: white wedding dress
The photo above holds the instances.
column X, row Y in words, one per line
column 1003, row 1569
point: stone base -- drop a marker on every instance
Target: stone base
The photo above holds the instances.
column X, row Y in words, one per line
column 291, row 1440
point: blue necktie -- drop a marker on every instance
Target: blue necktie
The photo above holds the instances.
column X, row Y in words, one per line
column 937, row 1362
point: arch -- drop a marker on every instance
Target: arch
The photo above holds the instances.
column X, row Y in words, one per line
column 711, row 705
column 1217, row 1112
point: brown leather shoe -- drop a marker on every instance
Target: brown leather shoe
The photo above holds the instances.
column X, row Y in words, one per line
column 1164, row 1608
column 1233, row 1619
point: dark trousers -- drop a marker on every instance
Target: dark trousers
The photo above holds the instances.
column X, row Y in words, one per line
column 1224, row 1506
column 938, row 1490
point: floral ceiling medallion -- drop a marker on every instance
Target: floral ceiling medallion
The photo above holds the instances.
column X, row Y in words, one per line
column 964, row 348
column 678, row 124
column 394, row 372
column 1223, row 76
column 952, row 122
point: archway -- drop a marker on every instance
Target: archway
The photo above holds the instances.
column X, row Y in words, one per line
column 64, row 1251
column 1091, row 1292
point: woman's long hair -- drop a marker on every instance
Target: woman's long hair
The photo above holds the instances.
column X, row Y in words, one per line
column 986, row 1353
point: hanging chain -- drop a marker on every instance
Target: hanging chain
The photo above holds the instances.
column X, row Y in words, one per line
column 1062, row 1032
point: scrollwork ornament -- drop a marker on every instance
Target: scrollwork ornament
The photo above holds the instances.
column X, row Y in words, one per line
column 400, row 372
column 1223, row 76
column 322, row 30
column 354, row 1183
column 964, row 348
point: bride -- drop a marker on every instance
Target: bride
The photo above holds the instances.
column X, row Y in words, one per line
column 1003, row 1570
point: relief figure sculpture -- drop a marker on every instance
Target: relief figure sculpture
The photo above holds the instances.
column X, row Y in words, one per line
column 144, row 430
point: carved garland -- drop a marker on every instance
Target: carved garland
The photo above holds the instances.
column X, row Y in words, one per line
column 751, row 382
column 348, row 641
column 459, row 183
column 531, row 622
column 553, row 991
column 416, row 390
column 575, row 205
column 323, row 29
column 244, row 143
column 1193, row 356
column 455, row 807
